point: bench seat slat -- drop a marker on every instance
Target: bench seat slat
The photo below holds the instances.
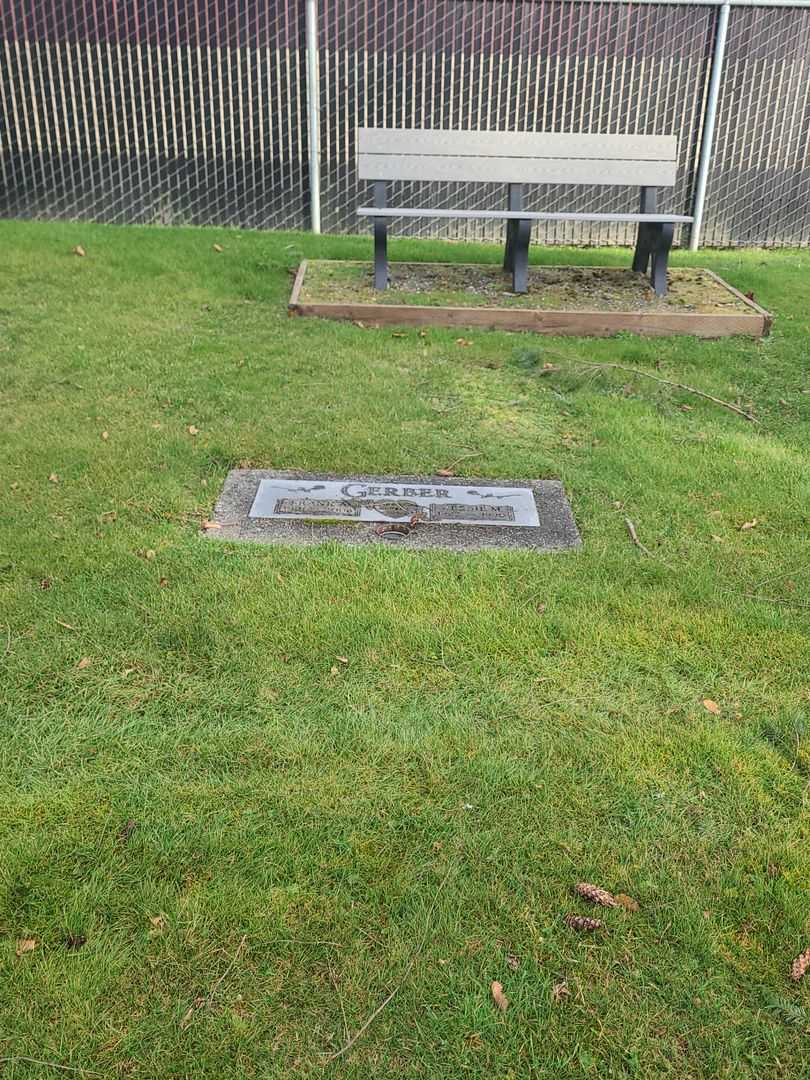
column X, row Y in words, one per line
column 516, row 170
column 527, row 215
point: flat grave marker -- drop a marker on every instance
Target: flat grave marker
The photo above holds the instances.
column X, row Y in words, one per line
column 270, row 506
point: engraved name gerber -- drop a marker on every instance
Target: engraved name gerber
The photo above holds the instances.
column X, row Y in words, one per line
column 351, row 508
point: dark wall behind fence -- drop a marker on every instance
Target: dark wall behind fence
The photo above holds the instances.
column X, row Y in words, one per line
column 195, row 111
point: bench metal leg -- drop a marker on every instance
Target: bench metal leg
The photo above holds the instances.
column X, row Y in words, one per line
column 645, row 241
column 520, row 268
column 380, row 254
column 660, row 258
column 644, row 245
column 509, row 251
column 514, row 201
column 380, row 240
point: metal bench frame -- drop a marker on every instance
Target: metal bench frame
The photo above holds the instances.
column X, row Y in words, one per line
column 655, row 230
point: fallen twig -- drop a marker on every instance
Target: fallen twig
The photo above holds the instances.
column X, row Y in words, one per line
column 334, row 983
column 634, row 537
column 364, row 1027
column 206, row 1001
column 448, row 469
column 593, row 366
column 668, row 382
column 777, row 600
column 48, row 1064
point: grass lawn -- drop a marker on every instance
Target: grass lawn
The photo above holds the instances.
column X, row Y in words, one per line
column 312, row 835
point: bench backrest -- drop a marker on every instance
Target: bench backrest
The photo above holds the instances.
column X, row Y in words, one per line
column 513, row 157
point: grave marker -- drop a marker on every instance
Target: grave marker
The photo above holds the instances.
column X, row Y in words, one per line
column 276, row 507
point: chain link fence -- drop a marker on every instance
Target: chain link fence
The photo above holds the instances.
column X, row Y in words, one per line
column 196, row 111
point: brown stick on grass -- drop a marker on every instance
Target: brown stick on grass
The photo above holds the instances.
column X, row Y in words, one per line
column 206, row 1001
column 634, row 537
column 364, row 1027
column 669, row 382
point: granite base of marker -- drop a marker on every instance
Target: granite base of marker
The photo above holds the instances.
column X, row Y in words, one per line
column 556, row 530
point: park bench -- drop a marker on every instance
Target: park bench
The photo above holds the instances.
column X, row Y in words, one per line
column 516, row 159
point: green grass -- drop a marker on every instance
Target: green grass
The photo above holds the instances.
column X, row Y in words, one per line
column 506, row 725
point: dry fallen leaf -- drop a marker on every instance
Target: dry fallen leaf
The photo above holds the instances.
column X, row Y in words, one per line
column 445, row 472
column 150, row 553
column 218, row 247
column 26, row 944
column 342, row 659
column 560, row 991
column 711, row 706
column 198, row 1001
column 800, row 966
column 164, row 581
column 54, row 479
column 45, row 583
column 334, row 670
column 85, row 662
column 627, row 902
column 158, row 921
column 126, row 830
column 210, row 525
column 79, row 250
column 193, row 430
column 512, row 961
column 74, row 942
column 463, row 341
column 752, row 524
column 498, row 996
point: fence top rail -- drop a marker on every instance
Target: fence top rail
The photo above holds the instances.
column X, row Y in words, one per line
column 706, row 3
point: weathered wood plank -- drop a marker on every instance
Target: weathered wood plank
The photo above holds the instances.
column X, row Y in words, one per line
column 515, row 170
column 756, row 323
column 299, row 281
column 391, row 211
column 583, row 323
column 534, row 144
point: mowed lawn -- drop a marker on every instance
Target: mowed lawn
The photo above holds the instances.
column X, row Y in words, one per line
column 248, row 793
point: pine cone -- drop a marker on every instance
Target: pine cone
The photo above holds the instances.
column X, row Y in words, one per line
column 583, row 922
column 595, row 894
column 800, row 966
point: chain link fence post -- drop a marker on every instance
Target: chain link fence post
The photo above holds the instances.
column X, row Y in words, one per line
column 313, row 115
column 709, row 122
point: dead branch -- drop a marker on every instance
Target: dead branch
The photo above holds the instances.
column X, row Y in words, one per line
column 414, row 956
column 677, row 385
column 634, row 537
column 206, row 1001
column 48, row 1064
column 777, row 600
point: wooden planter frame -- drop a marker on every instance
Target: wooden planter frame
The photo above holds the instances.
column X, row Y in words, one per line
column 755, row 322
